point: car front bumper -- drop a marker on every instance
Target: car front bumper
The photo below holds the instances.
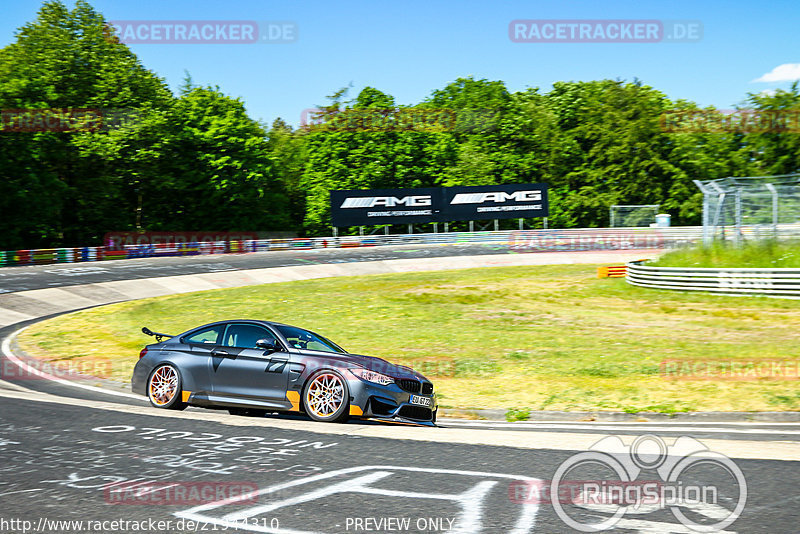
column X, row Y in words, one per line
column 391, row 403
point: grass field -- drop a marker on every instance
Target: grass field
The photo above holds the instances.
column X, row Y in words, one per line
column 764, row 254
column 517, row 338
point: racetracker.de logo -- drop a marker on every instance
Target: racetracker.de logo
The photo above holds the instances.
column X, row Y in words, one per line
column 730, row 121
column 51, row 120
column 66, row 119
column 183, row 493
column 64, row 370
column 203, row 31
column 739, row 369
column 604, row 31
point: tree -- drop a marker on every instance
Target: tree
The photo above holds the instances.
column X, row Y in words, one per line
column 53, row 187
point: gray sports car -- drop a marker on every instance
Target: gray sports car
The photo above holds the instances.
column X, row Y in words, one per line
column 253, row 367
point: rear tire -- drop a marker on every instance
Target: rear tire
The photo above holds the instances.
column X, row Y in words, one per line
column 326, row 397
column 164, row 388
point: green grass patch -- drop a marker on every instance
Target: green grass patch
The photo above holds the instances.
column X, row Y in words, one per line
column 527, row 338
column 515, row 414
column 765, row 254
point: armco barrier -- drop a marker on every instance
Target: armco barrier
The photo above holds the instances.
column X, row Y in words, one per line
column 783, row 282
column 518, row 241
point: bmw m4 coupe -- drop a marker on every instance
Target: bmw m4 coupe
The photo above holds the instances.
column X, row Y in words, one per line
column 252, row 367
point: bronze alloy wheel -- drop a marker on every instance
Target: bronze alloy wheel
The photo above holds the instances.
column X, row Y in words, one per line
column 164, row 388
column 326, row 397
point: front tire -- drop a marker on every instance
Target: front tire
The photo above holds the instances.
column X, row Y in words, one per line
column 326, row 397
column 164, row 388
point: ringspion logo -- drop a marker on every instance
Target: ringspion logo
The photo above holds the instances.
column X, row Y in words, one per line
column 690, row 478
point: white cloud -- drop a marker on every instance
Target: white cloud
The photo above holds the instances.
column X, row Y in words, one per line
column 768, row 92
column 787, row 72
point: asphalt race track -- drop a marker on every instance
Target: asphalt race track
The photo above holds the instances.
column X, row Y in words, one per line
column 66, row 274
column 112, row 462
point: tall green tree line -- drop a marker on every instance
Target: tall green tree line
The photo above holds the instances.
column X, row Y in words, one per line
column 196, row 161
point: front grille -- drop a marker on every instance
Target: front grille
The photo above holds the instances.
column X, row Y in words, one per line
column 412, row 386
column 427, row 388
column 417, row 413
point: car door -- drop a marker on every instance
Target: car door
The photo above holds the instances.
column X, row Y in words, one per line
column 194, row 356
column 242, row 371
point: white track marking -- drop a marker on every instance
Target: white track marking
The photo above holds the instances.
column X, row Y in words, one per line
column 645, row 423
column 6, row 349
column 667, row 426
column 471, row 500
column 643, row 427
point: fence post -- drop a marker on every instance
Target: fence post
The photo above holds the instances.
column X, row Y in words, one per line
column 774, row 209
column 738, row 215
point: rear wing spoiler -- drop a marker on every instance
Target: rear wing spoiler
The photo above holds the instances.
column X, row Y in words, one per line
column 157, row 335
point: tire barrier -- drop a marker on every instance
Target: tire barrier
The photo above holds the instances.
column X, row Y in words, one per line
column 781, row 282
column 521, row 241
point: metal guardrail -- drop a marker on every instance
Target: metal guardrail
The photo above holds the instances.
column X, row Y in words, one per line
column 779, row 282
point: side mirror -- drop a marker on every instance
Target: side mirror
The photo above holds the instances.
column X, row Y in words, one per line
column 267, row 344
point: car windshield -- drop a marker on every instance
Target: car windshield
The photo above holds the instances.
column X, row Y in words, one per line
column 303, row 339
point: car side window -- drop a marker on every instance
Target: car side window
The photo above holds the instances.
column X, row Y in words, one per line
column 209, row 335
column 245, row 336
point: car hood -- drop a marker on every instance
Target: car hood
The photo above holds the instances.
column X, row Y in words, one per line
column 379, row 365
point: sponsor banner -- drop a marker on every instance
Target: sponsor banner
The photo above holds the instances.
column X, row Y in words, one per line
column 426, row 205
column 385, row 206
column 506, row 201
column 117, row 240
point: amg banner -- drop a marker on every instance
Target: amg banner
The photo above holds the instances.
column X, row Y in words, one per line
column 360, row 207
column 364, row 207
column 507, row 201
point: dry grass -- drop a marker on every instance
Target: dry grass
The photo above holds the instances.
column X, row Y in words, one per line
column 552, row 337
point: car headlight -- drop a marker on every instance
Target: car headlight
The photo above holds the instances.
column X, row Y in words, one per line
column 372, row 376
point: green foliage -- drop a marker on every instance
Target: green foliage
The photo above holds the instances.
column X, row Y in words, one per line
column 516, row 414
column 555, row 337
column 764, row 253
column 596, row 143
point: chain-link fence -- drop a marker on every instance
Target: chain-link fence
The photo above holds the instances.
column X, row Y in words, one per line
column 753, row 207
column 629, row 216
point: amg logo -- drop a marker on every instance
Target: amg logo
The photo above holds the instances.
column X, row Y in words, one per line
column 371, row 202
column 500, row 196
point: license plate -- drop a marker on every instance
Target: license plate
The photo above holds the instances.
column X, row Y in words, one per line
column 420, row 401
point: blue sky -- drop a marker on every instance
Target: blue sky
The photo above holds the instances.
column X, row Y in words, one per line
column 410, row 48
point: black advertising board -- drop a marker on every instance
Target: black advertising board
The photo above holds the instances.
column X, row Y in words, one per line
column 359, row 207
column 506, row 201
column 364, row 207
